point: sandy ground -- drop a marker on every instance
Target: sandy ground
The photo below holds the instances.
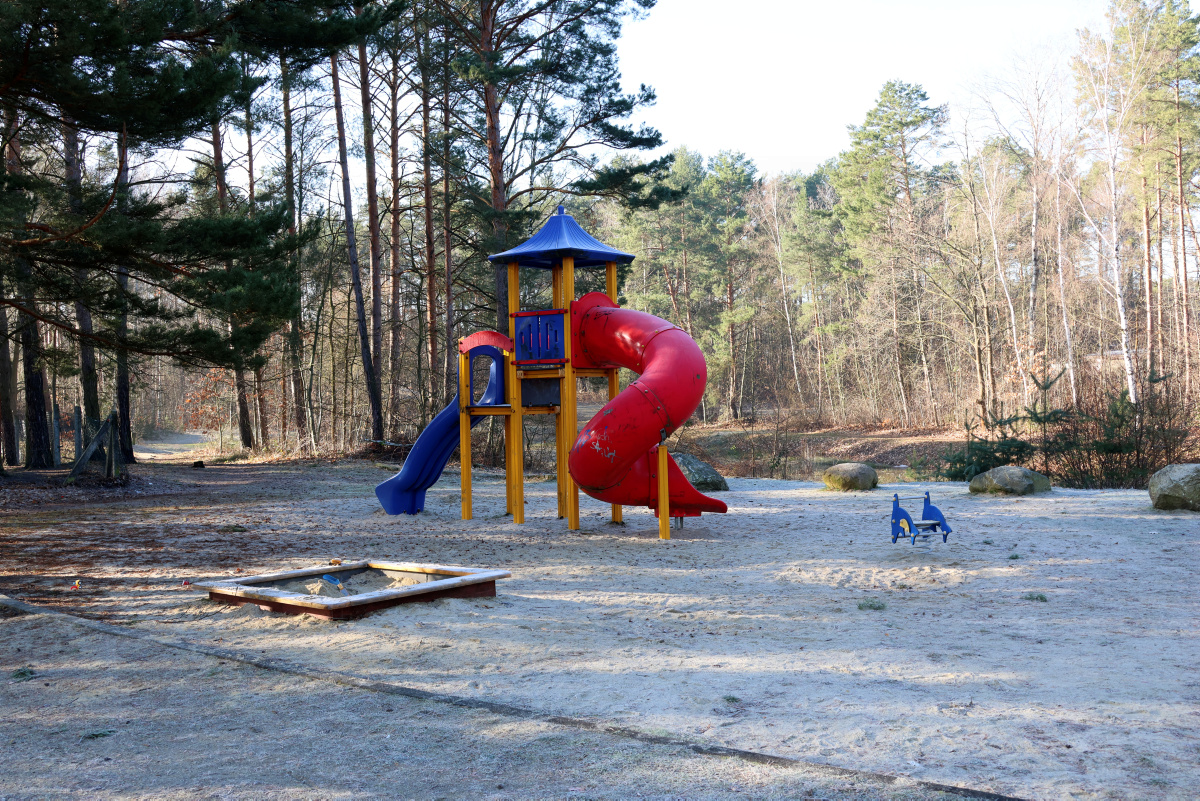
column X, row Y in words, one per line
column 744, row 630
column 109, row 717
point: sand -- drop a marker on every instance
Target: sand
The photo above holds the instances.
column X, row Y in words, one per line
column 369, row 581
column 107, row 717
column 746, row 629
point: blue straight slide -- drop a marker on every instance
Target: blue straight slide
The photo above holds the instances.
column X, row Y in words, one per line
column 404, row 493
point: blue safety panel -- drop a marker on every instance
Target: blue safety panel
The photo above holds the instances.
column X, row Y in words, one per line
column 561, row 236
column 540, row 339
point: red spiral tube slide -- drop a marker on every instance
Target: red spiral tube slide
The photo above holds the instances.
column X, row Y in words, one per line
column 615, row 457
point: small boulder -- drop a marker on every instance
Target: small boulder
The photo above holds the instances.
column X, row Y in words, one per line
column 702, row 475
column 1176, row 486
column 1010, row 479
column 849, row 476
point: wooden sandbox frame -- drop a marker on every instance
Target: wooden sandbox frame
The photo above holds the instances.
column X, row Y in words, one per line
column 442, row 581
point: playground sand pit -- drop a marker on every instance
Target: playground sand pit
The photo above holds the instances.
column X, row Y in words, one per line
column 791, row 626
column 353, row 589
column 355, row 585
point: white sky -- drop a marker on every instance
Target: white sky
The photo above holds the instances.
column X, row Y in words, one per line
column 780, row 81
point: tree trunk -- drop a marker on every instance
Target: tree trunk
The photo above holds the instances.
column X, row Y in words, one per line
column 1181, row 265
column 495, row 157
column 1035, row 272
column 1062, row 297
column 430, row 256
column 923, row 350
column 8, row 395
column 364, row 80
column 88, row 377
column 260, row 394
column 304, row 438
column 1183, row 271
column 1147, row 273
column 245, row 425
column 369, row 373
column 451, row 368
column 731, row 398
column 38, row 455
column 1114, row 249
column 896, row 351
column 395, row 328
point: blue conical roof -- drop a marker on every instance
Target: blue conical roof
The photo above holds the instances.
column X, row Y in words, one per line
column 561, row 236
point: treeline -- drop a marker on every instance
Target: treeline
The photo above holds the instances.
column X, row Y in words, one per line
column 954, row 266
column 294, row 257
column 276, row 211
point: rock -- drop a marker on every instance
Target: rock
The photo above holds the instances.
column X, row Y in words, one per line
column 702, row 475
column 849, row 476
column 1011, row 480
column 198, row 464
column 1176, row 486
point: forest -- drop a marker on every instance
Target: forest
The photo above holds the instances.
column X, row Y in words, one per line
column 270, row 219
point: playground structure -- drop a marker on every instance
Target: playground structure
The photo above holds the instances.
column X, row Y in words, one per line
column 620, row 456
column 932, row 521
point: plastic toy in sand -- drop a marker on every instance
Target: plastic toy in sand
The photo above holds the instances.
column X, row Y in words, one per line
column 337, row 582
column 932, row 521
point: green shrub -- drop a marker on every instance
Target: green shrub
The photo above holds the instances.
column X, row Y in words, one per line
column 872, row 604
column 1034, row 596
column 982, row 455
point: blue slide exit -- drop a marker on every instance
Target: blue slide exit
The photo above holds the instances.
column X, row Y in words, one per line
column 404, row 493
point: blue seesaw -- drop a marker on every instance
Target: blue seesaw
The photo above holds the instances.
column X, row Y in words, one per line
column 932, row 520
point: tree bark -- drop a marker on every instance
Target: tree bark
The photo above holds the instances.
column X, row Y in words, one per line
column 369, row 372
column 495, row 157
column 1062, row 297
column 245, row 424
column 89, row 380
column 8, row 395
column 1147, row 273
column 124, row 400
column 396, row 329
column 1114, row 250
column 451, row 368
column 38, row 455
column 304, row 438
column 421, row 37
column 364, row 80
column 1183, row 268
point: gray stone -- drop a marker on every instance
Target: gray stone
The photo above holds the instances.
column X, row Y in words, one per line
column 702, row 475
column 849, row 476
column 1176, row 486
column 1011, row 480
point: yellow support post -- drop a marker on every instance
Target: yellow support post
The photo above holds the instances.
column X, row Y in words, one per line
column 570, row 423
column 614, row 387
column 514, row 434
column 560, row 434
column 664, row 495
column 614, row 382
column 464, row 432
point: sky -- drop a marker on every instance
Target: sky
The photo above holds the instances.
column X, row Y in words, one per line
column 780, row 81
